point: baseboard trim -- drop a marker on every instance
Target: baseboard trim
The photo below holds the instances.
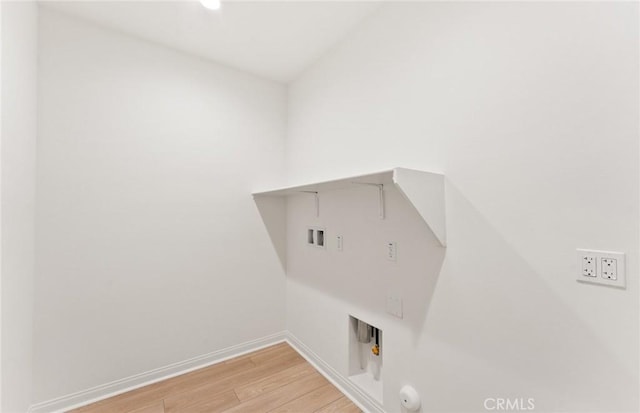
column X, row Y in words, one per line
column 114, row 388
column 353, row 392
column 92, row 395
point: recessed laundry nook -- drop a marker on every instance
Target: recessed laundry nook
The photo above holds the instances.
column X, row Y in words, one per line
column 319, row 206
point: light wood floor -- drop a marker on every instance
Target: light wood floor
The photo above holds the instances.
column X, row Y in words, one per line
column 274, row 379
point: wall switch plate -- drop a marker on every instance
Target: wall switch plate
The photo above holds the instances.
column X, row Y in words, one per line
column 339, row 242
column 394, row 306
column 392, row 251
column 601, row 267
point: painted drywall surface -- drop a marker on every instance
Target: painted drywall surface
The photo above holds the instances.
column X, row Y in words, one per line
column 531, row 111
column 1, row 207
column 150, row 249
column 1, row 399
column 19, row 57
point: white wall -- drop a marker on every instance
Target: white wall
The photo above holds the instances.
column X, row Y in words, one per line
column 531, row 112
column 1, row 399
column 19, row 53
column 149, row 249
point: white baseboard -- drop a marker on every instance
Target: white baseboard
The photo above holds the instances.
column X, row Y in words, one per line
column 104, row 391
column 353, row 392
column 92, row 395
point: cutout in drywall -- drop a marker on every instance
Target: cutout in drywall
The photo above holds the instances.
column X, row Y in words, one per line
column 315, row 237
column 365, row 357
column 320, row 238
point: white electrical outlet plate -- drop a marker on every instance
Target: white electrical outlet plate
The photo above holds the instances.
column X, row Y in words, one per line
column 392, row 251
column 394, row 306
column 601, row 267
column 339, row 242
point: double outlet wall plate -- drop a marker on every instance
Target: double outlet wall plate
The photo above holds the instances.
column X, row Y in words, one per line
column 601, row 267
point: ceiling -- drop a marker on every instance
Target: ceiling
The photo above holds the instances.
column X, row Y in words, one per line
column 272, row 39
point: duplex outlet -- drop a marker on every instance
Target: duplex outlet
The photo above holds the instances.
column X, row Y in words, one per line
column 609, row 268
column 601, row 267
column 588, row 265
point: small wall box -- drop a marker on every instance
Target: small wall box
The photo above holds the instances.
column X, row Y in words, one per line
column 316, row 237
column 366, row 357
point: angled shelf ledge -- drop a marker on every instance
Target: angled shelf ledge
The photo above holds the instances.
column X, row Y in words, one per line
column 423, row 190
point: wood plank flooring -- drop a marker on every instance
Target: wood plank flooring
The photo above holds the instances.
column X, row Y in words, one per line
column 275, row 379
